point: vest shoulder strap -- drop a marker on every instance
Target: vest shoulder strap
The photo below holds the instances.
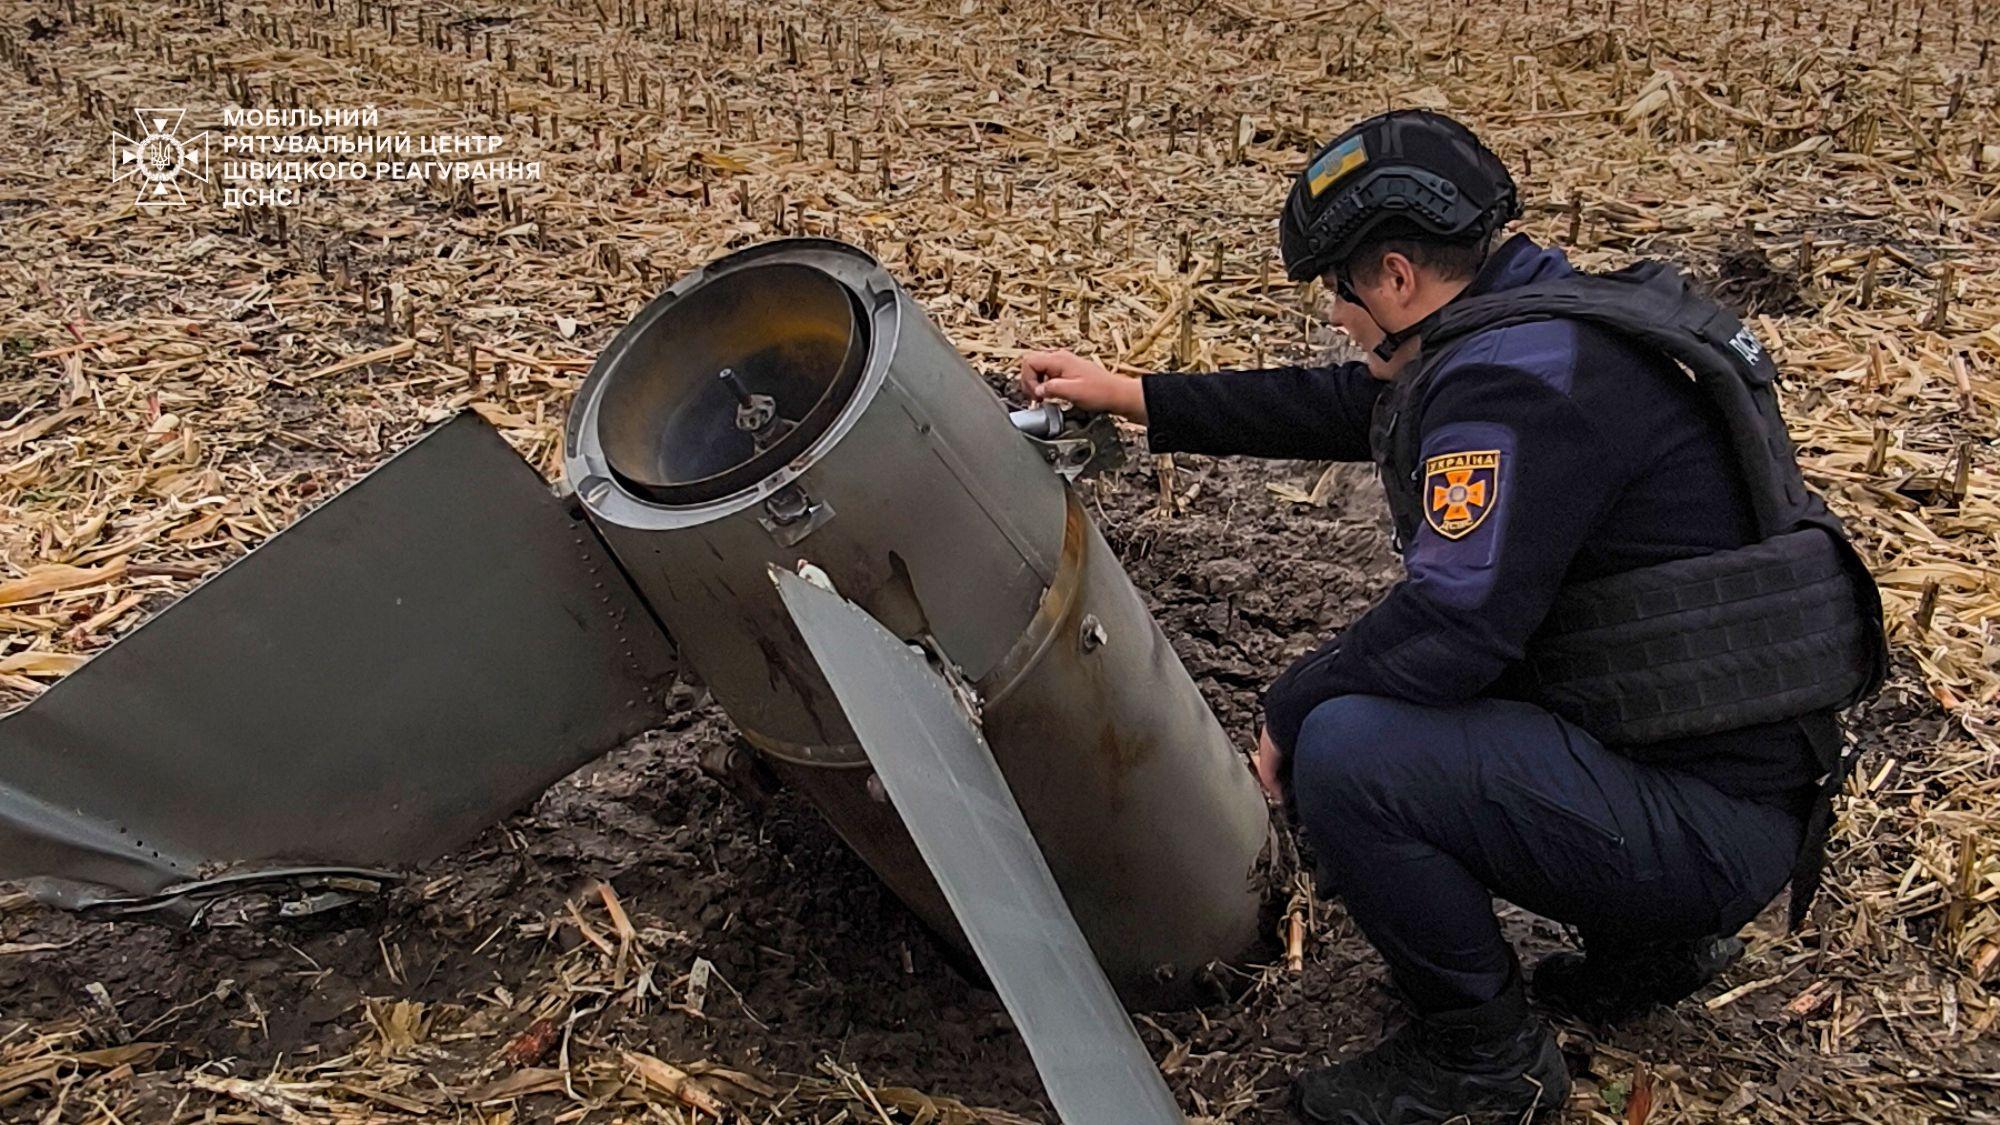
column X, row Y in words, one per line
column 1656, row 306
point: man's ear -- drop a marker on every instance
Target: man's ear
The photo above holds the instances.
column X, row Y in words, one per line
column 1397, row 273
column 1401, row 274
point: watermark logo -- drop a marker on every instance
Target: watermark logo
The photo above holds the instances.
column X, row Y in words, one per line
column 159, row 157
column 271, row 156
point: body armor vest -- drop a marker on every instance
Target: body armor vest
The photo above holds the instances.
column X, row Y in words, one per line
column 1784, row 627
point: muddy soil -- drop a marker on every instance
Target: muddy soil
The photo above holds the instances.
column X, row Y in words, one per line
column 816, row 960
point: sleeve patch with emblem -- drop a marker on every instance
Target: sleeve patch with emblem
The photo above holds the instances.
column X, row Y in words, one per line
column 1460, row 491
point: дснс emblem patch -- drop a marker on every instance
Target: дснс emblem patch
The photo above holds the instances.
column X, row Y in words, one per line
column 1459, row 490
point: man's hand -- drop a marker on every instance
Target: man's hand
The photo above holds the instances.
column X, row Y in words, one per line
column 1268, row 765
column 1084, row 383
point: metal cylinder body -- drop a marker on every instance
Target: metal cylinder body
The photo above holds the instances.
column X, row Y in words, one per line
column 791, row 402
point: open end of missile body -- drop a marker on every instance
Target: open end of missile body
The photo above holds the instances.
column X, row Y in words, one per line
column 898, row 476
column 731, row 382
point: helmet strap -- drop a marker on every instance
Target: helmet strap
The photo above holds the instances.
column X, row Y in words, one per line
column 1394, row 340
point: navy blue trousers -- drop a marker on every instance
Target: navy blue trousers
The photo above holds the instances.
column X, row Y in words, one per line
column 1420, row 815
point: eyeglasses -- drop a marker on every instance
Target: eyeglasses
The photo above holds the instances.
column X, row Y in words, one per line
column 1342, row 284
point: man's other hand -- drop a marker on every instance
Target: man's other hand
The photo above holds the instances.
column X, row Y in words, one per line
column 1083, row 383
column 1268, row 765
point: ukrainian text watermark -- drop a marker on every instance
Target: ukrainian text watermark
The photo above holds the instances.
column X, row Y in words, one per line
column 269, row 156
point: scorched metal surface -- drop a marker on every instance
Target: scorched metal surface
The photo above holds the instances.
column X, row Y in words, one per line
column 905, row 483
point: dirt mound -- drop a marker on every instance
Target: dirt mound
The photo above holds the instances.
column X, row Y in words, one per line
column 497, row 947
column 811, row 956
column 1746, row 279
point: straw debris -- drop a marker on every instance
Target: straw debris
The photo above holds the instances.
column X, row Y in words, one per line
column 177, row 385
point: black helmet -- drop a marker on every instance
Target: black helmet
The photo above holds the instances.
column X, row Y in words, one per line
column 1408, row 167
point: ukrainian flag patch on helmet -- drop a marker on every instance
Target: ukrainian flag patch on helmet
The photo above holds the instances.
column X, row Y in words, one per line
column 1336, row 162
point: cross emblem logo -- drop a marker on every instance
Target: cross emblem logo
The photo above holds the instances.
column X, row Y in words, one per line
column 159, row 157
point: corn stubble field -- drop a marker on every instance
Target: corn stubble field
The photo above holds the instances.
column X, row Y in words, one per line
column 177, row 385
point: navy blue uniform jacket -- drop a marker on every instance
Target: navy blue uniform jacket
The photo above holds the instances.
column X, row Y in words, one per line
column 1554, row 452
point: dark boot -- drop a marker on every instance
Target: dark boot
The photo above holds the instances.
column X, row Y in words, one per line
column 1607, row 983
column 1494, row 1063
